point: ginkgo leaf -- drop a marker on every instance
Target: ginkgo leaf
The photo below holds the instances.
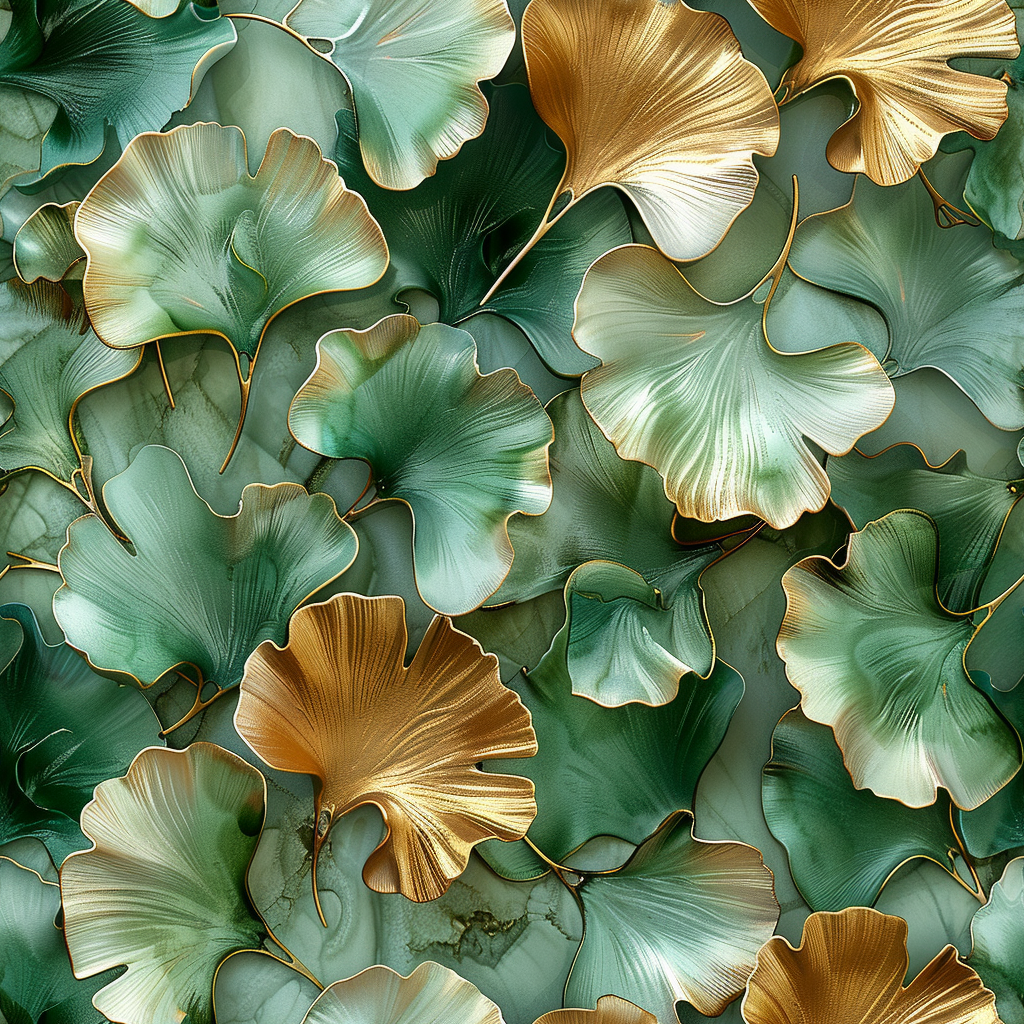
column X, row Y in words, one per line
column 50, row 358
column 617, row 771
column 451, row 235
column 970, row 511
column 36, row 982
column 462, row 450
column 339, row 704
column 45, row 245
column 850, row 967
column 197, row 589
column 610, row 1010
column 657, row 100
column 246, row 247
column 950, row 299
column 877, row 657
column 695, row 389
column 844, row 844
column 648, row 937
column 163, row 888
column 63, row 729
column 393, row 50
column 896, row 59
column 602, row 507
column 103, row 62
column 998, row 938
column 432, row 994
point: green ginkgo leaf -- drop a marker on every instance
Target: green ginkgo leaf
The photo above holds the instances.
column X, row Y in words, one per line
column 452, row 234
column 844, row 844
column 244, row 247
column 602, row 507
column 612, row 771
column 50, row 358
column 950, row 299
column 36, row 982
column 432, row 994
column 970, row 511
column 877, row 657
column 998, row 935
column 63, row 729
column 45, row 245
column 101, row 62
column 163, row 888
column 414, row 70
column 196, row 589
column 649, row 934
column 695, row 389
column 464, row 451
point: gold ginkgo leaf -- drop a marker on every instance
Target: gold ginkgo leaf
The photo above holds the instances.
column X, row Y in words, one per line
column 849, row 969
column 656, row 100
column 338, row 703
column 896, row 58
column 610, row 1010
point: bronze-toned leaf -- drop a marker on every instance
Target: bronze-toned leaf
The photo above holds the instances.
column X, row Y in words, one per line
column 610, row 1010
column 849, row 969
column 896, row 58
column 338, row 703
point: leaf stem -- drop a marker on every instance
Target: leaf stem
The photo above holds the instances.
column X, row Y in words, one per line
column 946, row 214
column 163, row 373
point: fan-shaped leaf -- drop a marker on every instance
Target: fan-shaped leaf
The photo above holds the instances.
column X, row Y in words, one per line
column 393, row 50
column 844, row 844
column 876, row 656
column 432, row 994
column 896, row 58
column 163, row 888
column 45, row 245
column 950, row 299
column 851, row 966
column 197, row 589
column 647, row 936
column 998, row 934
column 657, row 100
column 339, row 694
column 664, row 349
column 610, row 1010
column 463, row 451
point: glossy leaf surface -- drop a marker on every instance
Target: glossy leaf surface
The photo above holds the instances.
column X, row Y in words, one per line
column 200, row 590
column 998, row 938
column 464, row 451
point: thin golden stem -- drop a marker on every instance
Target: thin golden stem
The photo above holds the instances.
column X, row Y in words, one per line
column 362, row 493
column 946, row 214
column 293, row 961
column 244, row 383
column 560, row 870
column 318, row 840
column 542, row 229
column 198, row 706
column 163, row 373
column 31, row 563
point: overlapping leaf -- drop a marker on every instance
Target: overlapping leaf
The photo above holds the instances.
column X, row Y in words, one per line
column 844, row 844
column 391, row 51
column 611, row 771
column 163, row 888
column 196, row 589
column 897, row 59
column 339, row 694
column 63, row 729
column 452, row 234
column 852, row 965
column 46, row 247
column 463, row 451
column 609, row 1010
column 70, row 67
column 876, row 656
column 657, row 100
column 998, row 939
column 950, row 299
column 647, row 937
column 664, row 349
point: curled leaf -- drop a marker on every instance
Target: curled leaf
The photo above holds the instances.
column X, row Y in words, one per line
column 339, row 704
column 877, row 657
column 392, row 51
column 163, row 887
column 849, row 968
column 432, row 994
column 463, row 450
column 657, row 100
column 45, row 245
column 897, row 59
